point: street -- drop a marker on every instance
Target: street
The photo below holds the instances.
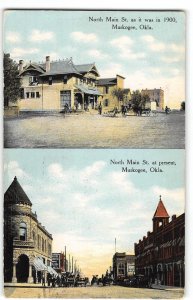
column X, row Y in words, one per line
column 94, row 131
column 92, row 292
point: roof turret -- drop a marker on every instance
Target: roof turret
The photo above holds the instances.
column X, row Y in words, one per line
column 15, row 194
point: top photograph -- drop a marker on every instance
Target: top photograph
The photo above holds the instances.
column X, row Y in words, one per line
column 94, row 79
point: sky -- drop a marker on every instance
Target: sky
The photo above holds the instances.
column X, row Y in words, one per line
column 85, row 201
column 147, row 58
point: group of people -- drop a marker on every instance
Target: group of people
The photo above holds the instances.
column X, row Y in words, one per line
column 66, row 279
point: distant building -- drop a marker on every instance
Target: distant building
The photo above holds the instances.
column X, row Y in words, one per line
column 123, row 266
column 106, row 86
column 155, row 95
column 59, row 262
column 27, row 243
column 160, row 254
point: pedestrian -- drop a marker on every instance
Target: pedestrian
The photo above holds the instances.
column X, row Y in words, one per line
column 100, row 108
column 166, row 110
column 43, row 280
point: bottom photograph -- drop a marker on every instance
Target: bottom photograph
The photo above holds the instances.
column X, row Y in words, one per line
column 94, row 223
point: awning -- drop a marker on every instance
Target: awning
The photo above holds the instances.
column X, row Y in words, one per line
column 39, row 265
column 87, row 90
column 52, row 271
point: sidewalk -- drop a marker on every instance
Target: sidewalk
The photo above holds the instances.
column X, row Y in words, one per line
column 24, row 285
column 166, row 287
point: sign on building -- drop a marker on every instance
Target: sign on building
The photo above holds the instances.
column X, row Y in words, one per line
column 56, row 260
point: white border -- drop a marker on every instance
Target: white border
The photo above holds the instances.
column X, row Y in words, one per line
column 142, row 5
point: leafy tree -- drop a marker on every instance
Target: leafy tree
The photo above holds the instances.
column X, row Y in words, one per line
column 139, row 101
column 183, row 105
column 119, row 94
column 12, row 84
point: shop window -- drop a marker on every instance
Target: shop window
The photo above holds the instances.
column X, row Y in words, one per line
column 50, row 80
column 22, row 231
column 121, row 269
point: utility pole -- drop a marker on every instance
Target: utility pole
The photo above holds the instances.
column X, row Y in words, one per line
column 72, row 264
column 65, row 260
column 69, row 267
column 115, row 245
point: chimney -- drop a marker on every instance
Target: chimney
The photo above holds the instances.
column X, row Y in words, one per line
column 21, row 63
column 173, row 217
column 47, row 63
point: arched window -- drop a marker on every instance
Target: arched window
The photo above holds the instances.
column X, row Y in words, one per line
column 23, row 231
column 42, row 244
column 33, row 235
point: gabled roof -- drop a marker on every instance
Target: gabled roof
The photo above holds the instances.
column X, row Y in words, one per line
column 85, row 68
column 33, row 66
column 107, row 81
column 62, row 67
column 161, row 211
column 15, row 194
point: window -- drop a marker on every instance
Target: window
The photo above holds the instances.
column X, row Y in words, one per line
column 42, row 244
column 27, row 95
column 33, row 80
column 65, row 98
column 65, row 79
column 49, row 249
column 22, row 231
column 121, row 269
column 50, row 80
column 106, row 89
column 38, row 241
column 33, row 235
column 22, row 93
column 32, row 95
column 106, row 102
column 37, row 95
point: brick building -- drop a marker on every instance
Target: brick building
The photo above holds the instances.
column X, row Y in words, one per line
column 155, row 95
column 160, row 254
column 27, row 244
column 123, row 266
column 106, row 86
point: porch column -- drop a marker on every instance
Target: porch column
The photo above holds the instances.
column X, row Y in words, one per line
column 72, row 98
column 83, row 95
column 30, row 278
column 14, row 278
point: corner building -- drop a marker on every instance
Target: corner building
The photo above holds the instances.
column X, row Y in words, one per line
column 27, row 244
column 160, row 254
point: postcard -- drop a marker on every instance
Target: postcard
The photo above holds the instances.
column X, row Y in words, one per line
column 94, row 153
column 94, row 79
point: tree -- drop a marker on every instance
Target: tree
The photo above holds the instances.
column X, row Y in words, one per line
column 119, row 94
column 12, row 82
column 139, row 101
column 183, row 105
